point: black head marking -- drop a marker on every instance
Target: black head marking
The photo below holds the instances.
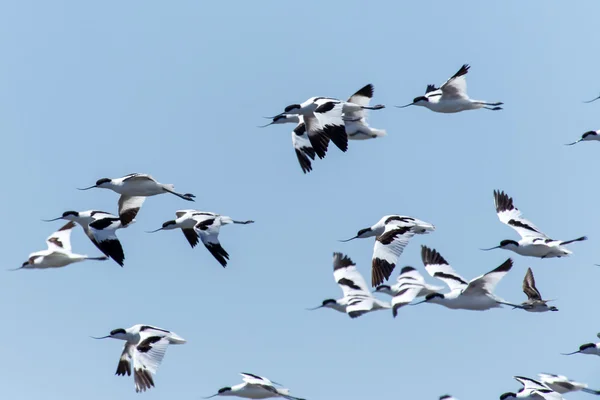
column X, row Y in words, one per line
column 587, row 346
column 171, row 222
column 380, row 287
column 420, row 98
column 406, row 270
column 223, row 390
column 589, row 133
column 507, row 242
column 116, row 331
column 363, row 231
column 291, row 107
column 329, row 301
column 506, row 395
column 103, row 180
column 73, row 213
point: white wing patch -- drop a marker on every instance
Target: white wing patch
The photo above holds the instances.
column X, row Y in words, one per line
column 439, row 268
column 511, row 216
column 61, row 239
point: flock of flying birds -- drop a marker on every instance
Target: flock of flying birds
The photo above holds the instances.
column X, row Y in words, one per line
column 320, row 120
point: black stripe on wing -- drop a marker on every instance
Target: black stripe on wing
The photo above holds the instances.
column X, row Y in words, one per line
column 380, row 270
column 337, row 134
column 191, row 236
column 218, row 252
column 432, row 257
column 113, row 249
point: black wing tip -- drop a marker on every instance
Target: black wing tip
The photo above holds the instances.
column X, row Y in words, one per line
column 341, row 260
column 407, row 269
column 114, row 250
column 505, row 266
column 432, row 257
column 123, row 368
column 462, row 71
column 381, row 270
column 218, row 252
column 338, row 135
column 304, row 161
column 365, row 91
column 503, row 201
column 128, row 215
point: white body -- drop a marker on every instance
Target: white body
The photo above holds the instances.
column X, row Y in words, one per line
column 561, row 384
column 255, row 387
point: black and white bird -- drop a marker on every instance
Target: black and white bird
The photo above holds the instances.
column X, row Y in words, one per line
column 143, row 352
column 533, row 243
column 255, row 387
column 100, row 227
column 357, row 299
column 532, row 389
column 587, row 348
column 355, row 121
column 205, row 226
column 534, row 302
column 59, row 252
column 324, row 117
column 410, row 284
column 587, row 137
column 476, row 295
column 302, row 145
column 392, row 234
column 561, row 384
column 452, row 96
column 134, row 188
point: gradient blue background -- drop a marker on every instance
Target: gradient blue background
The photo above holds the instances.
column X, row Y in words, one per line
column 176, row 89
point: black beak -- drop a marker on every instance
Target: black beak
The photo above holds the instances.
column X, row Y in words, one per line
column 316, row 308
column 156, row 230
column 103, row 337
column 347, row 240
column 491, row 248
column 50, row 220
column 570, row 354
column 87, row 188
column 411, row 104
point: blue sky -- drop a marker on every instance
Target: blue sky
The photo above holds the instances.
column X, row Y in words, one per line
column 177, row 89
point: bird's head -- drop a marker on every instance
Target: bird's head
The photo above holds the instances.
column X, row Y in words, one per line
column 420, row 100
column 68, row 215
column 505, row 244
column 292, row 108
column 118, row 333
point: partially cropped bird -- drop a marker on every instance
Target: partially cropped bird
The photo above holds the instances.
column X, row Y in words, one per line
column 588, row 136
column 144, row 349
column 392, row 234
column 255, row 387
column 534, row 302
column 561, row 384
column 452, row 96
column 59, row 252
column 533, row 390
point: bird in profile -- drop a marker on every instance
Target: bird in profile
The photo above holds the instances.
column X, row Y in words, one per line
column 255, row 387
column 592, row 349
column 101, row 228
column 410, row 284
column 59, row 252
column 144, row 350
column 533, row 243
column 588, row 136
column 561, row 384
column 205, row 226
column 392, row 234
column 134, row 188
column 357, row 299
column 532, row 389
column 452, row 96
column 476, row 295
column 534, row 302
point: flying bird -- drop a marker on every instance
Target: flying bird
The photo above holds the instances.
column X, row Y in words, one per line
column 357, row 299
column 533, row 243
column 476, row 295
column 204, row 226
column 134, row 188
column 410, row 284
column 355, row 122
column 255, row 387
column 561, row 384
column 587, row 348
column 392, row 234
column 587, row 137
column 534, row 302
column 532, row 389
column 59, row 252
column 452, row 96
column 100, row 227
column 144, row 349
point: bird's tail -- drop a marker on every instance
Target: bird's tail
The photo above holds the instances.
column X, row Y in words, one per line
column 176, row 339
column 378, row 132
column 579, row 239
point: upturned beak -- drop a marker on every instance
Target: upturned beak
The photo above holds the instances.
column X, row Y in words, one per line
column 87, row 188
column 50, row 220
column 491, row 248
column 316, row 308
column 411, row 104
column 156, row 230
column 103, row 337
column 347, row 240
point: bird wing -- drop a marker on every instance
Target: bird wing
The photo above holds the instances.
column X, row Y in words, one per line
column 129, row 206
column 61, row 239
column 439, row 268
column 363, row 96
column 406, row 293
column 327, row 120
column 124, row 366
column 530, row 384
column 361, row 303
column 511, row 216
column 181, row 213
column 456, row 86
column 529, row 286
column 103, row 231
column 302, row 147
column 486, row 283
column 431, row 88
column 147, row 356
column 347, row 276
column 207, row 229
column 138, row 177
column 253, row 379
column 410, row 275
column 388, row 248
